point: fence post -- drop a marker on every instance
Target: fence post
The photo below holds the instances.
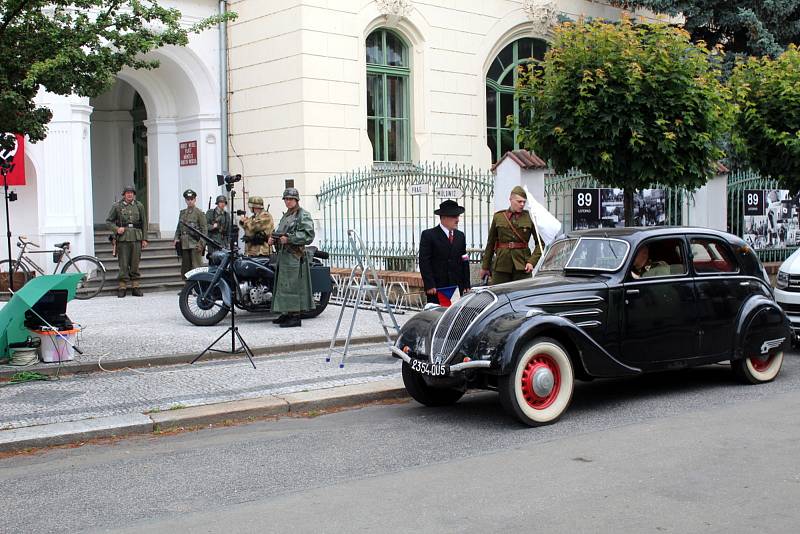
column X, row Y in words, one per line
column 518, row 167
column 710, row 206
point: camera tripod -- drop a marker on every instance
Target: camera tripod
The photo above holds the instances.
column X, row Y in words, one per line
column 233, row 329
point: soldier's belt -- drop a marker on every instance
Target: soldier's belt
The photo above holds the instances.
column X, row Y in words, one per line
column 511, row 245
column 134, row 225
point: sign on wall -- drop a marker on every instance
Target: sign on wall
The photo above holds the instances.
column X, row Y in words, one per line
column 188, row 153
column 605, row 208
column 770, row 219
column 16, row 157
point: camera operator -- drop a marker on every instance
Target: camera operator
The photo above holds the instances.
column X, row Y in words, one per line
column 257, row 228
column 219, row 222
column 292, row 290
column 191, row 248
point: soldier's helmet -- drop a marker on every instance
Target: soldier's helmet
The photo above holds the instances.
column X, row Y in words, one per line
column 291, row 192
column 256, row 202
column 189, row 193
column 222, row 198
column 129, row 188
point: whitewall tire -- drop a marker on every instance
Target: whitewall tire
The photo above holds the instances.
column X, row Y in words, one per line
column 757, row 370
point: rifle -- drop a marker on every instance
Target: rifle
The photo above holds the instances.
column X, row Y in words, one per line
column 209, row 203
column 203, row 237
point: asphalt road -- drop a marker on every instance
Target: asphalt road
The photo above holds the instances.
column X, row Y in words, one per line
column 688, row 451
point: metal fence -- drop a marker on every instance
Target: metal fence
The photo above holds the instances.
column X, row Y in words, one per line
column 378, row 203
column 765, row 240
column 558, row 196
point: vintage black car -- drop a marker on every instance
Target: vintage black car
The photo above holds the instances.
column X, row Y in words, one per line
column 604, row 303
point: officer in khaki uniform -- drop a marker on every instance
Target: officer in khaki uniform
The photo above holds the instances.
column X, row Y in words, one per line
column 219, row 223
column 128, row 221
column 257, row 229
column 190, row 245
column 507, row 256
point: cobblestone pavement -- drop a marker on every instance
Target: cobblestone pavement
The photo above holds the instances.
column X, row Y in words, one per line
column 114, row 328
column 78, row 397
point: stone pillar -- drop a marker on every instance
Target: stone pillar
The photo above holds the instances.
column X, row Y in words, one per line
column 519, row 167
column 709, row 207
column 163, row 183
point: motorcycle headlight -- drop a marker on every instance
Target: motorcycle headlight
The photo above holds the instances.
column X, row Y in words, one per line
column 216, row 257
column 783, row 280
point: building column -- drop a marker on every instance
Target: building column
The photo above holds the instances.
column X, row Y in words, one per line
column 708, row 207
column 163, row 184
column 519, row 167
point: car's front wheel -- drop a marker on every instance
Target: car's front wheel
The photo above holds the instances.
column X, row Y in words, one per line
column 539, row 389
column 425, row 394
column 757, row 369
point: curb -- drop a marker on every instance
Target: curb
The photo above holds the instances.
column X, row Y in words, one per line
column 175, row 359
column 186, row 418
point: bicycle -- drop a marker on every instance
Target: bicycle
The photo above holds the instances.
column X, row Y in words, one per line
column 93, row 269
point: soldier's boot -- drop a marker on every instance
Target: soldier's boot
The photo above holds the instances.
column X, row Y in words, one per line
column 137, row 292
column 282, row 318
column 292, row 321
column 121, row 290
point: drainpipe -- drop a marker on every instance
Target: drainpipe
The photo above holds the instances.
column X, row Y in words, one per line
column 223, row 86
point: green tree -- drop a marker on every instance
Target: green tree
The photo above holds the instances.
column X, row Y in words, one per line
column 630, row 104
column 767, row 97
column 752, row 27
column 76, row 46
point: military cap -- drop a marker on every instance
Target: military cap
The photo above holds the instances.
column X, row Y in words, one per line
column 189, row 193
column 518, row 190
column 129, row 188
column 257, row 202
column 291, row 192
column 222, row 198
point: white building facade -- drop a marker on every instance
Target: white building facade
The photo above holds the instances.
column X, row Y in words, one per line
column 131, row 135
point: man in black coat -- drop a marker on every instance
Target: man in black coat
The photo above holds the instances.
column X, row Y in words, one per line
column 443, row 260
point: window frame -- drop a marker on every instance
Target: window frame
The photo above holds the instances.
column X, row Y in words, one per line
column 383, row 121
column 648, row 242
column 720, row 243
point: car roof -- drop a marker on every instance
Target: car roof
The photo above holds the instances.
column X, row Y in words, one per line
column 635, row 234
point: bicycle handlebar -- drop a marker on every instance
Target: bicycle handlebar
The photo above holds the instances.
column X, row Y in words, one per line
column 24, row 240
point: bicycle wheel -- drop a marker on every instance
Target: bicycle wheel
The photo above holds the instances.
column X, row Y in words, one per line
column 94, row 275
column 16, row 267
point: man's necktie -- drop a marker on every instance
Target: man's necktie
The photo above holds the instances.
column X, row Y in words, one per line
column 450, row 237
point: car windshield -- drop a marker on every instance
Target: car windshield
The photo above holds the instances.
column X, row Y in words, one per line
column 586, row 253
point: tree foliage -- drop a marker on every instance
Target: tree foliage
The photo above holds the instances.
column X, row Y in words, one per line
column 630, row 104
column 767, row 95
column 752, row 27
column 76, row 46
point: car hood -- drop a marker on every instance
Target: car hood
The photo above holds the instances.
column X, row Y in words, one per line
column 523, row 293
column 792, row 263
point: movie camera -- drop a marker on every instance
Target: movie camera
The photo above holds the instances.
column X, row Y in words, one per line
column 228, row 180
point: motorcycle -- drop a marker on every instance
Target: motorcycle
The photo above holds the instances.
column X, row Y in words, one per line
column 233, row 279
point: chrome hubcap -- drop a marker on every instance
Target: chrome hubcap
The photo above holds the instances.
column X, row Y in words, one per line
column 543, row 382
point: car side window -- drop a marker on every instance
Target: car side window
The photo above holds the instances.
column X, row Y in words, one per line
column 712, row 256
column 660, row 257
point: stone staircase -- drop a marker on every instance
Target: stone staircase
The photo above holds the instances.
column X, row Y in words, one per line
column 160, row 267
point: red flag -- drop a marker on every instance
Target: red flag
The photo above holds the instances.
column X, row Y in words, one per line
column 17, row 158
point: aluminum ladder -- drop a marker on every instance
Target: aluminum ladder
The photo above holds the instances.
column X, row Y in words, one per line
column 370, row 287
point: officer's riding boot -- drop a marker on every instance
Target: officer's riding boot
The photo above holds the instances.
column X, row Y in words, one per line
column 137, row 292
column 121, row 290
column 292, row 321
column 281, row 318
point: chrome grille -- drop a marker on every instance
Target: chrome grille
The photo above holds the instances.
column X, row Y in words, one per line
column 456, row 321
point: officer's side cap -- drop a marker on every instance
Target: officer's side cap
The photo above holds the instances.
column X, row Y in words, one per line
column 518, row 190
column 189, row 193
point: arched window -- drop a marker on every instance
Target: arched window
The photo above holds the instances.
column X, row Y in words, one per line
column 500, row 102
column 388, row 115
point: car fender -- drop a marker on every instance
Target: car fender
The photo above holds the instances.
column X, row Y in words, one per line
column 416, row 332
column 225, row 289
column 594, row 360
column 762, row 328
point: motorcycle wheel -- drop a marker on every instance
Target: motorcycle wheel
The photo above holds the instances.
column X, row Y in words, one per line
column 320, row 303
column 197, row 313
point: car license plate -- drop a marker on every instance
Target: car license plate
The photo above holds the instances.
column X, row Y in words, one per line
column 430, row 369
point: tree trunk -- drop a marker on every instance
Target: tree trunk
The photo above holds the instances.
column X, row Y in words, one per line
column 627, row 199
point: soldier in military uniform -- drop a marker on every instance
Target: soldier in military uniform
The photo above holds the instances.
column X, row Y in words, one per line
column 191, row 246
column 507, row 256
column 219, row 223
column 128, row 221
column 292, row 291
column 257, row 229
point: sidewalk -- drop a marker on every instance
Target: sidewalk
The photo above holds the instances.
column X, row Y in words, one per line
column 147, row 397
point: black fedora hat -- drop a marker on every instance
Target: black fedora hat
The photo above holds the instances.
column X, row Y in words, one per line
column 449, row 208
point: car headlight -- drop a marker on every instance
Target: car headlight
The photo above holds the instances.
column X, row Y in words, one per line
column 783, row 280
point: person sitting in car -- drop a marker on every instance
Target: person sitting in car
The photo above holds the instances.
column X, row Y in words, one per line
column 644, row 266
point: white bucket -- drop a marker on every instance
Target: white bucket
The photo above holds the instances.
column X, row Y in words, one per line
column 56, row 348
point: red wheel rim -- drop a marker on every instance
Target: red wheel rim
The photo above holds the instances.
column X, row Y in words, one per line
column 760, row 364
column 540, row 361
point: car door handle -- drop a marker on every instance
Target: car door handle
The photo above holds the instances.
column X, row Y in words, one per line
column 632, row 292
column 744, row 283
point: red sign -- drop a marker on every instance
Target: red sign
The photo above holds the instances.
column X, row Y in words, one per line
column 188, row 153
column 15, row 156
